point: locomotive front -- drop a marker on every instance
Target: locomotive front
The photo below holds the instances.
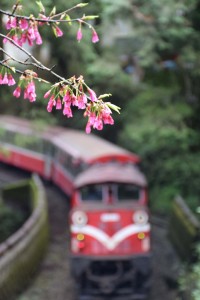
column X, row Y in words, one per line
column 110, row 232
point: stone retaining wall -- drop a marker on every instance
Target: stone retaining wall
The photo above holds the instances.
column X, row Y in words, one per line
column 184, row 229
column 22, row 252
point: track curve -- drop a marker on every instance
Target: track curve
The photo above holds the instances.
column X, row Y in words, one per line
column 53, row 280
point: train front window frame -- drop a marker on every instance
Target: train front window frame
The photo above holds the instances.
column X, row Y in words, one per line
column 110, row 192
column 92, row 192
column 128, row 192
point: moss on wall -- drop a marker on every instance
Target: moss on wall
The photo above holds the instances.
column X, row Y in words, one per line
column 184, row 229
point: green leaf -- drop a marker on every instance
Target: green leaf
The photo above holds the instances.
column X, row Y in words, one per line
column 89, row 17
column 53, row 12
column 81, row 4
column 41, row 6
column 54, row 30
column 113, row 107
column 67, row 18
column 13, row 69
column 104, row 96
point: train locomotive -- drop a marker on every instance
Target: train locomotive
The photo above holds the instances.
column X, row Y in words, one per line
column 110, row 249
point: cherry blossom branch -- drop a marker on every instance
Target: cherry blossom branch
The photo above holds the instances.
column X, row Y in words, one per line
column 16, row 60
column 34, row 19
column 37, row 63
column 70, row 9
column 12, row 41
column 66, row 92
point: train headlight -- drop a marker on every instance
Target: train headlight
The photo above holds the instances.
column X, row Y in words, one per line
column 79, row 218
column 140, row 217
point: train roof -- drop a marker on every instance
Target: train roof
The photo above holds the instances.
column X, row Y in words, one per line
column 88, row 148
column 124, row 173
column 92, row 148
column 26, row 126
column 15, row 124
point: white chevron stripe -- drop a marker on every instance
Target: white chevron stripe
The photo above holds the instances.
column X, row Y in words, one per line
column 110, row 242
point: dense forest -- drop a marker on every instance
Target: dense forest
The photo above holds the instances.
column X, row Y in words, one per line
column 148, row 59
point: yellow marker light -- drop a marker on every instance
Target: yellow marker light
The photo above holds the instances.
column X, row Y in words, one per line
column 80, row 237
column 141, row 235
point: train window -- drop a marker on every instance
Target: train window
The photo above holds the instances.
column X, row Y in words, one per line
column 92, row 193
column 32, row 143
column 62, row 157
column 67, row 162
column 128, row 192
column 70, row 164
column 48, row 148
column 21, row 140
column 9, row 136
column 2, row 134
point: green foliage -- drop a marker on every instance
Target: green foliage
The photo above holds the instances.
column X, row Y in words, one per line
column 196, row 276
column 160, row 119
column 189, row 281
column 158, row 26
column 156, row 129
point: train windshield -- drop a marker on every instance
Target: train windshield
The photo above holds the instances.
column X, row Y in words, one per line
column 92, row 192
column 128, row 192
column 115, row 191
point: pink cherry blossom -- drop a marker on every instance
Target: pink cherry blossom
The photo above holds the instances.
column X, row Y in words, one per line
column 30, row 41
column 5, row 40
column 47, row 94
column 98, row 123
column 74, row 100
column 79, row 34
column 8, row 24
column 91, row 120
column 11, row 80
column 88, row 128
column 82, row 100
column 23, row 24
column 58, row 31
column 1, row 78
column 29, row 92
column 16, row 39
column 38, row 37
column 31, row 33
column 5, row 79
column 97, row 118
column 67, row 97
column 11, row 23
column 106, row 115
column 107, row 119
column 51, row 103
column 23, row 38
column 93, row 95
column 17, row 92
column 67, row 111
column 58, row 104
column 95, row 37
column 41, row 16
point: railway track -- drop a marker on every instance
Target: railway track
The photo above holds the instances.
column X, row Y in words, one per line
column 53, row 280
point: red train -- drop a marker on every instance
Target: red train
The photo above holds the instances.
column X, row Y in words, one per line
column 109, row 217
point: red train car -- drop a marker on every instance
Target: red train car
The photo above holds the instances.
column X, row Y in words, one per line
column 110, row 247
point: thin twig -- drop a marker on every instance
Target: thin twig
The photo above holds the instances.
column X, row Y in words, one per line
column 38, row 64
column 48, row 20
column 64, row 12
